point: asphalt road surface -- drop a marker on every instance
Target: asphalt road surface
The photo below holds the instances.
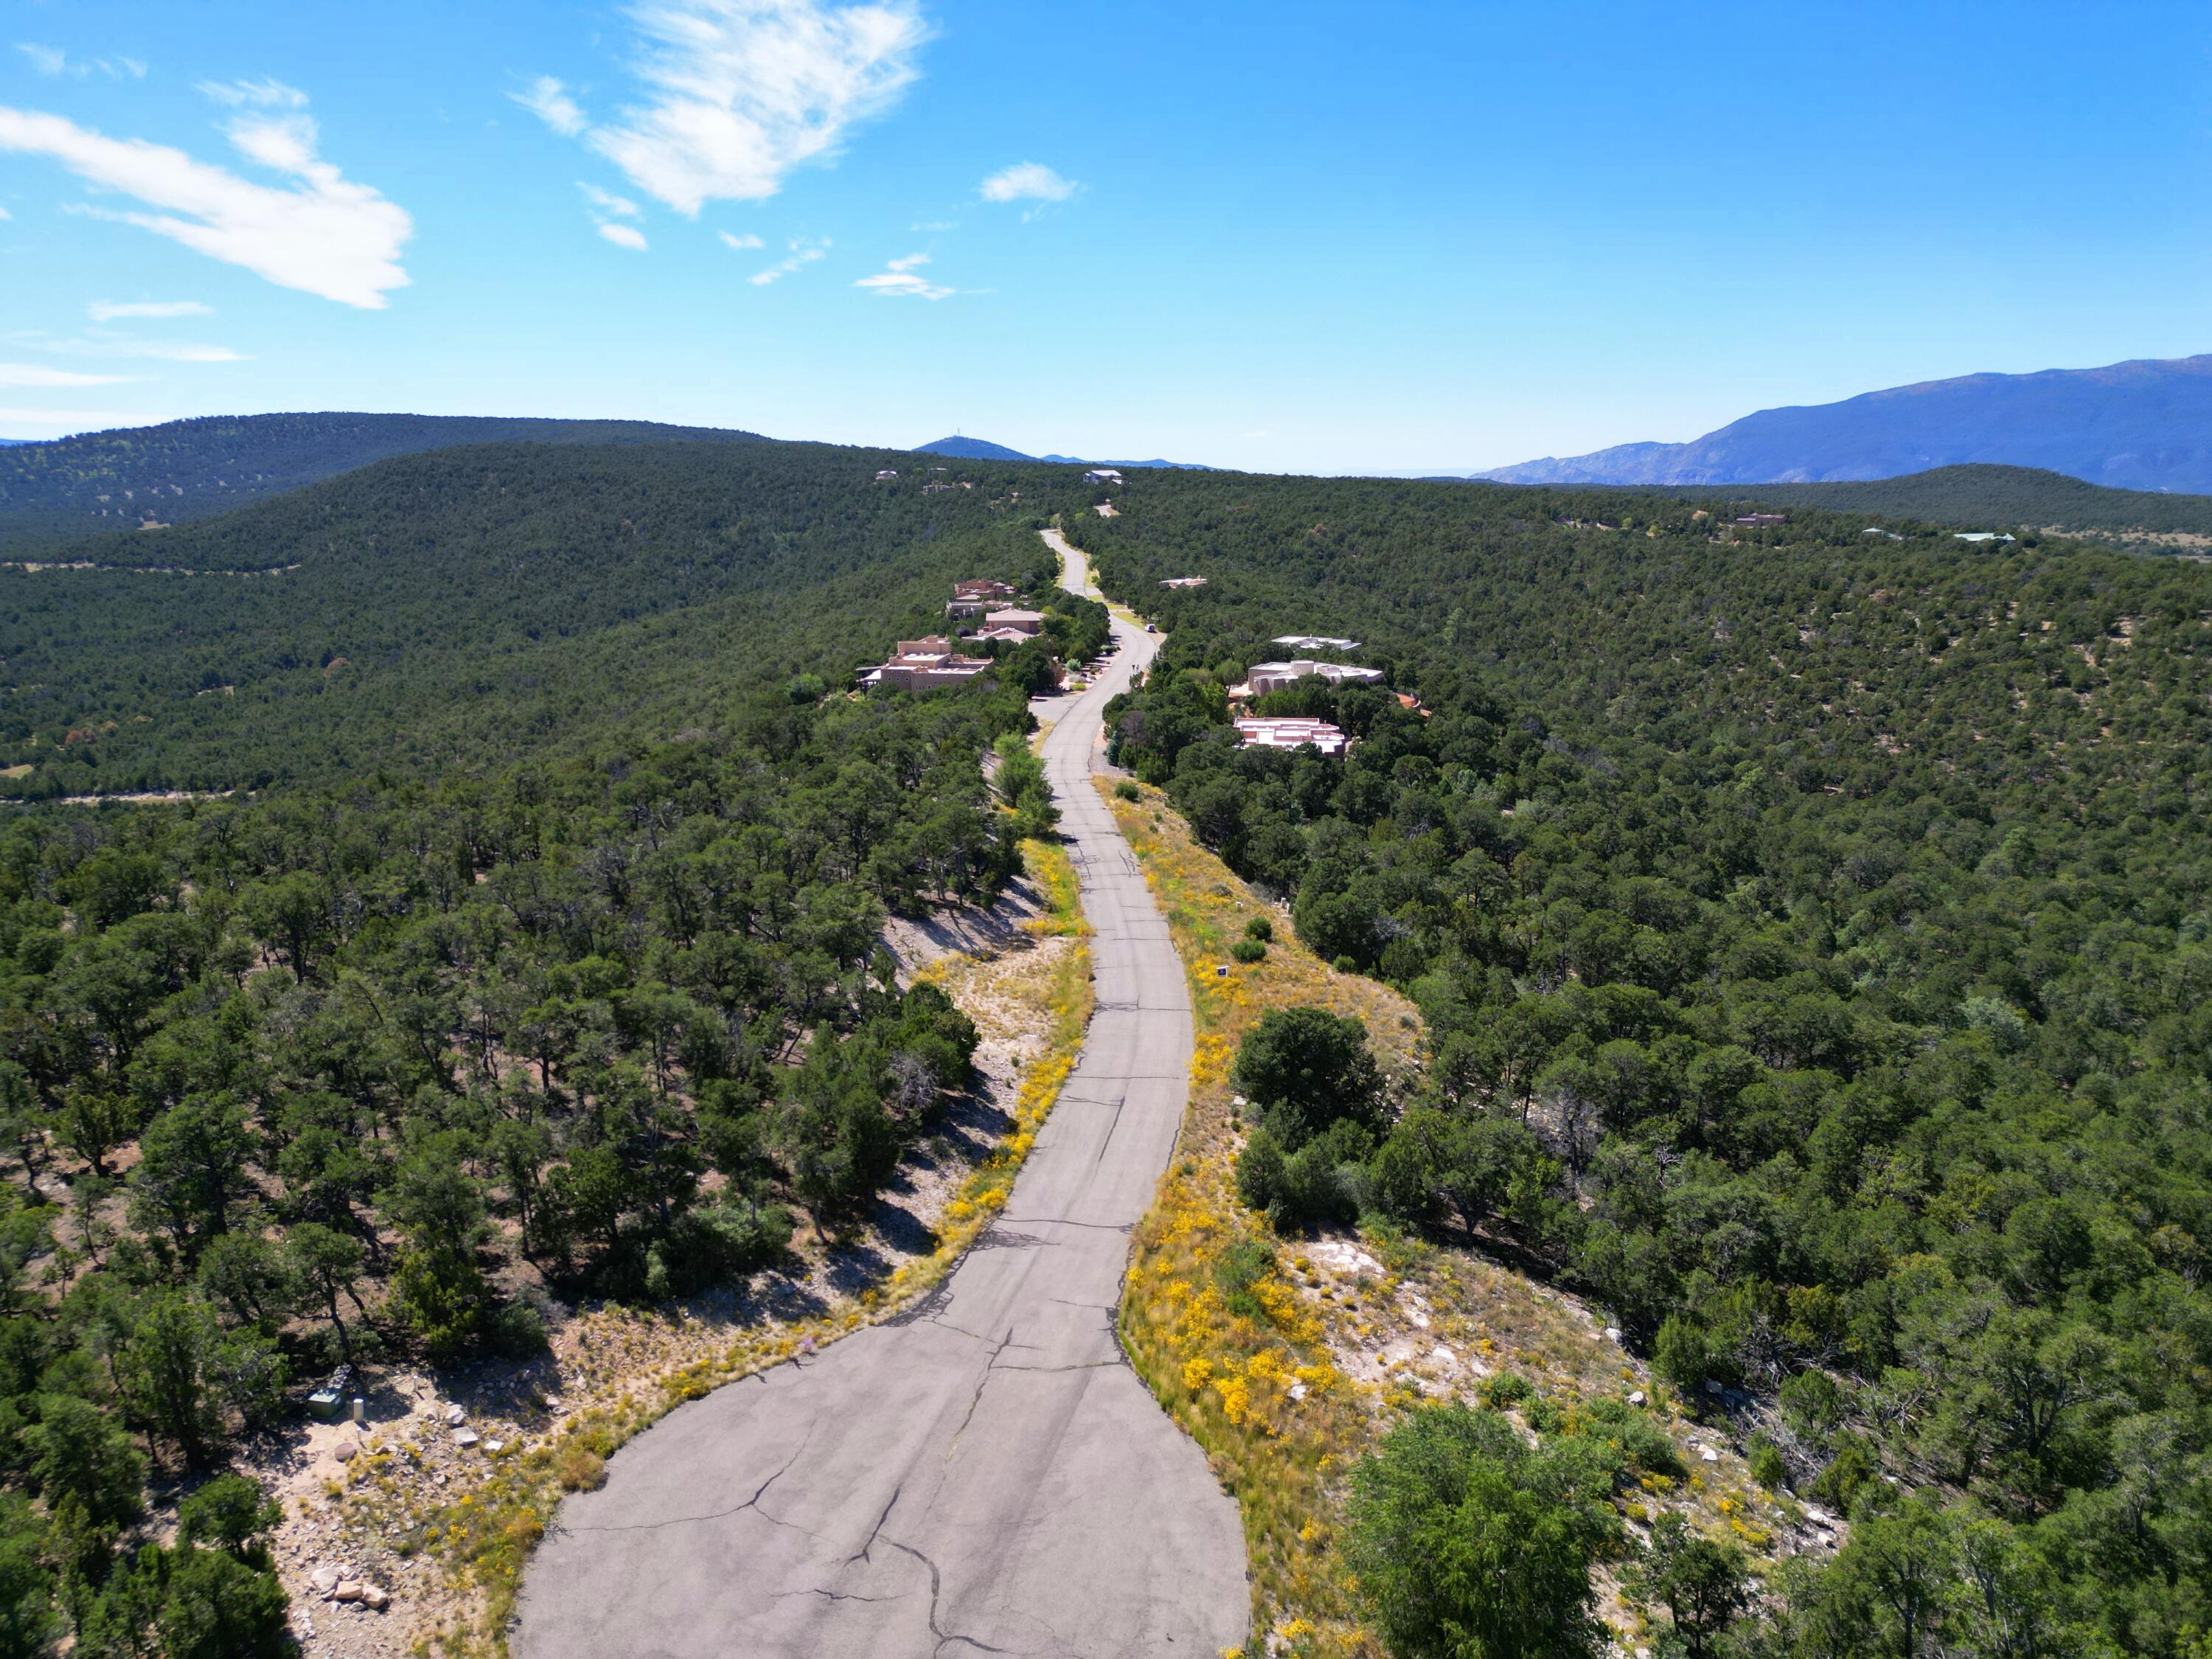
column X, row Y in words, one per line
column 986, row 1475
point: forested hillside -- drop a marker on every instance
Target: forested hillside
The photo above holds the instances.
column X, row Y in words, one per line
column 186, row 469
column 1813, row 935
column 550, row 970
column 465, row 607
column 2017, row 498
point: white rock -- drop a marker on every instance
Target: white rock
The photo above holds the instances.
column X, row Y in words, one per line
column 465, row 1436
column 455, row 1416
column 1636, row 1396
column 1443, row 1355
column 1613, row 1333
column 1709, row 1454
column 376, row 1596
column 324, row 1579
column 494, row 1445
column 1298, row 1390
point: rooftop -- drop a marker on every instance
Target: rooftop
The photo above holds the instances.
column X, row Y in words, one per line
column 1291, row 734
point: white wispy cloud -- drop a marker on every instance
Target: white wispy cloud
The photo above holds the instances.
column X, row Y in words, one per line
column 741, row 243
column 5, row 216
column 608, row 212
column 934, row 227
column 898, row 280
column 1028, row 181
column 108, row 311
column 549, row 101
column 803, row 253
column 54, row 62
column 28, row 374
column 606, row 201
column 264, row 94
column 109, row 345
column 319, row 233
column 739, row 93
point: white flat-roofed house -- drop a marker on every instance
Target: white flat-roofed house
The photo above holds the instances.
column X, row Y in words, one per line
column 1004, row 635
column 1022, row 622
column 1184, row 581
column 1101, row 475
column 885, row 475
column 1291, row 734
column 1316, row 642
column 1265, row 676
column 926, row 671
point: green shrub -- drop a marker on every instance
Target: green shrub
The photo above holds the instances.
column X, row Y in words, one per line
column 1260, row 928
column 1768, row 1466
column 1506, row 1389
column 1248, row 950
column 1243, row 1265
column 1128, row 791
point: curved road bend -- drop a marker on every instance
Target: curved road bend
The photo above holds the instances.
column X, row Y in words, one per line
column 986, row 1475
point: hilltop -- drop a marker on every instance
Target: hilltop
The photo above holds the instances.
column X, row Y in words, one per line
column 2145, row 424
column 186, row 469
column 2003, row 498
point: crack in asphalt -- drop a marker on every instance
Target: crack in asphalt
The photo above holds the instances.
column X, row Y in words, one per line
column 945, row 1637
column 1055, row 1221
column 869, row 1543
column 752, row 1502
column 977, row 1398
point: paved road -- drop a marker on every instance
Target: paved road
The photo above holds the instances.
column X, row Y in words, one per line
column 986, row 1476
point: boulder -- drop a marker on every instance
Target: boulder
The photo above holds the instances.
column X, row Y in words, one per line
column 376, row 1596
column 349, row 1589
column 324, row 1579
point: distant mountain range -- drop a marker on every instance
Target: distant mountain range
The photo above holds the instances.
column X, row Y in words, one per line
column 2141, row 425
column 980, row 449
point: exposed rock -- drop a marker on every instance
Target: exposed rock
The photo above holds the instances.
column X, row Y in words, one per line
column 324, row 1579
column 346, row 1449
column 376, row 1596
column 465, row 1436
column 1636, row 1396
column 455, row 1416
column 350, row 1590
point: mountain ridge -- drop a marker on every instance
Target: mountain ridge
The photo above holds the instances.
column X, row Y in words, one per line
column 2144, row 424
column 982, row 449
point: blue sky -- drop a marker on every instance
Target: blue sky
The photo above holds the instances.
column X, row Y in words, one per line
column 1289, row 237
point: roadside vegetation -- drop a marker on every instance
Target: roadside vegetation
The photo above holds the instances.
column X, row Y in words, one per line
column 1805, row 930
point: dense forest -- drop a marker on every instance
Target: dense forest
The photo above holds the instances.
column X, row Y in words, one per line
column 186, row 470
column 1987, row 498
column 465, row 607
column 585, row 998
column 1813, row 935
